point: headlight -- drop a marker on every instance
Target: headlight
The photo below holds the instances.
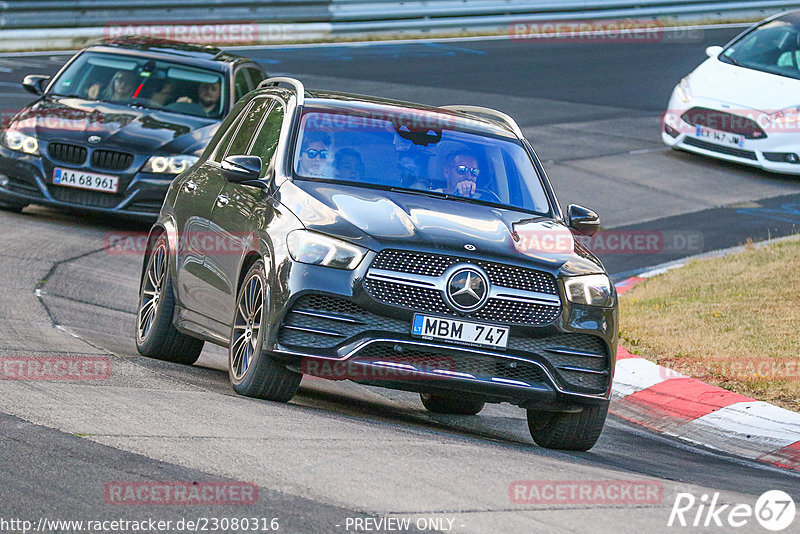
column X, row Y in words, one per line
column 16, row 140
column 593, row 289
column 169, row 164
column 788, row 118
column 318, row 249
column 683, row 90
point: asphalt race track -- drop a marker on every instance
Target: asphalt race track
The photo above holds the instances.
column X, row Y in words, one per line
column 341, row 451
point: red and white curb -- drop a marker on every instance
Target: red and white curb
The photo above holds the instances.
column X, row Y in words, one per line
column 676, row 405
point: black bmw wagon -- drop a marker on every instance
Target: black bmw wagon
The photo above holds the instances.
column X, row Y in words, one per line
column 117, row 123
column 392, row 244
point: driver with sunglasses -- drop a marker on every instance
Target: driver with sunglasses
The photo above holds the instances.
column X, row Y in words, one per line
column 461, row 172
column 313, row 161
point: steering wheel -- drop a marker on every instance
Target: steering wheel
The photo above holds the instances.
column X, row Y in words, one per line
column 487, row 192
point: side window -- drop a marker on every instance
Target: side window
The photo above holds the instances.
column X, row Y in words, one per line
column 241, row 84
column 267, row 139
column 255, row 76
column 226, row 138
column 247, row 128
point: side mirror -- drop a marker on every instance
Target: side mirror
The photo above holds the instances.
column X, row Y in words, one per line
column 713, row 51
column 35, row 83
column 238, row 169
column 582, row 220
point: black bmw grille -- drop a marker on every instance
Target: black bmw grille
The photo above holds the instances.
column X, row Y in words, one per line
column 84, row 198
column 435, row 265
column 724, row 122
column 739, row 153
column 67, row 153
column 111, row 160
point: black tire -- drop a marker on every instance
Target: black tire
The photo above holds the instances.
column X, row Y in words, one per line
column 568, row 431
column 156, row 336
column 442, row 404
column 14, row 207
column 252, row 372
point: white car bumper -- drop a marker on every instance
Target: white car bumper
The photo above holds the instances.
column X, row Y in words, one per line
column 771, row 150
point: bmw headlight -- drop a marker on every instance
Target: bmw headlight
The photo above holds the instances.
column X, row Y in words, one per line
column 169, row 164
column 593, row 290
column 16, row 140
column 684, row 91
column 317, row 249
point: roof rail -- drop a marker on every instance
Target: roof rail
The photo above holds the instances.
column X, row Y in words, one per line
column 299, row 89
column 490, row 113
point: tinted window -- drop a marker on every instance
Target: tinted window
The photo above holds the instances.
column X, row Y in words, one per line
column 255, row 75
column 247, row 127
column 241, row 83
column 423, row 151
column 144, row 82
column 267, row 139
column 773, row 47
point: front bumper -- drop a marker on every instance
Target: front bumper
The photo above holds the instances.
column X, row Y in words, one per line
column 328, row 325
column 770, row 152
column 30, row 181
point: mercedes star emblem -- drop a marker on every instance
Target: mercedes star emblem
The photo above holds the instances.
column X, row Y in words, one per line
column 467, row 289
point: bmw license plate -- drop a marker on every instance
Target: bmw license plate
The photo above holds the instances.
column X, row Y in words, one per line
column 719, row 137
column 86, row 180
column 464, row 332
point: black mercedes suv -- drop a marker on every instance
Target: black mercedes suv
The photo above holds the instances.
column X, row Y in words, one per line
column 117, row 123
column 392, row 244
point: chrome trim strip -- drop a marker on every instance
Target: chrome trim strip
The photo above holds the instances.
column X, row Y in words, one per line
column 439, row 282
column 391, row 364
column 581, row 370
column 322, row 315
column 454, row 373
column 312, row 331
column 568, row 352
column 509, row 381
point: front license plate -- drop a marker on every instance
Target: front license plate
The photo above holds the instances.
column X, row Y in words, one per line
column 465, row 332
column 719, row 137
column 86, row 180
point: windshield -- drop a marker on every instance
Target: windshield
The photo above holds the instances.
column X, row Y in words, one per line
column 431, row 154
column 144, row 82
column 773, row 47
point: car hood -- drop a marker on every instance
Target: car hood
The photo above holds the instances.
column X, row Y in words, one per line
column 377, row 219
column 743, row 87
column 139, row 130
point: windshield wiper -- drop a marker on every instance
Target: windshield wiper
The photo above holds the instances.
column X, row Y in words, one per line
column 434, row 194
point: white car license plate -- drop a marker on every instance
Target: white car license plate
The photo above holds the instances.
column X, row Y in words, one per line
column 464, row 332
column 719, row 137
column 86, row 180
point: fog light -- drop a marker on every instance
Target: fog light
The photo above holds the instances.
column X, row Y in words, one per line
column 672, row 132
column 792, row 158
column 3, row 180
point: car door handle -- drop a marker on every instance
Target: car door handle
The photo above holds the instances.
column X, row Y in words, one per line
column 222, row 200
column 190, row 186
